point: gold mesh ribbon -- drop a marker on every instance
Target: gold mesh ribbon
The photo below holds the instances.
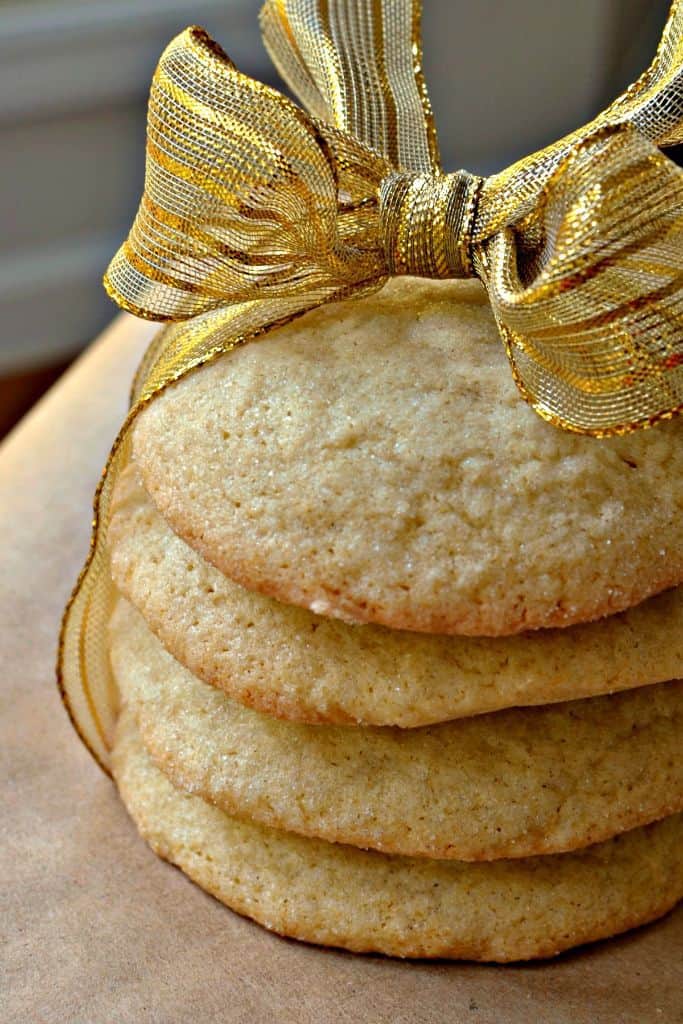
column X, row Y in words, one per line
column 255, row 211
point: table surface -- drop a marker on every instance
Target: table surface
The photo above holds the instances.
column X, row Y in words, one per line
column 93, row 927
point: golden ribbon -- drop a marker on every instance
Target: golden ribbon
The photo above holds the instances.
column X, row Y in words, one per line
column 249, row 198
column 255, row 211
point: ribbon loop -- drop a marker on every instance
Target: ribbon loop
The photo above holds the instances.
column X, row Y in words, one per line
column 425, row 223
column 358, row 66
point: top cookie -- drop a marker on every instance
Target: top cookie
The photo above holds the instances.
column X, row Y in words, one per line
column 373, row 461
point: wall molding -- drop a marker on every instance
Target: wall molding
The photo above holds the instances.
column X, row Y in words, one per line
column 47, row 295
column 67, row 70
column 59, row 58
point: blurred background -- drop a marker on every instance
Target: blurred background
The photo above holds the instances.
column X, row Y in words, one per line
column 506, row 76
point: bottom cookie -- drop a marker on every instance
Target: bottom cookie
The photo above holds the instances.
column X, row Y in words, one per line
column 369, row 902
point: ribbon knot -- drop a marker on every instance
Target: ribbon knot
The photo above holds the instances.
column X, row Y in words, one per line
column 426, row 223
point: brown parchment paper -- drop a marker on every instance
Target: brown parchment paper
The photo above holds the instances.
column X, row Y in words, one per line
column 93, row 928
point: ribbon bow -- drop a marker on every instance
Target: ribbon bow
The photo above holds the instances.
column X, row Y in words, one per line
column 255, row 211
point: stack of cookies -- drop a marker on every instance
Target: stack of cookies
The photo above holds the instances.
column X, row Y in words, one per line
column 398, row 659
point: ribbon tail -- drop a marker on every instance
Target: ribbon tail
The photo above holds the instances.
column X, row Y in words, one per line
column 588, row 288
column 358, row 66
column 84, row 673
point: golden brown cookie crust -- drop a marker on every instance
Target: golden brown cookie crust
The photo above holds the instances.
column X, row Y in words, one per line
column 289, row 662
column 369, row 902
column 510, row 784
column 374, row 461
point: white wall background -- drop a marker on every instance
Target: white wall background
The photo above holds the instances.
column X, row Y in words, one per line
column 506, row 76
